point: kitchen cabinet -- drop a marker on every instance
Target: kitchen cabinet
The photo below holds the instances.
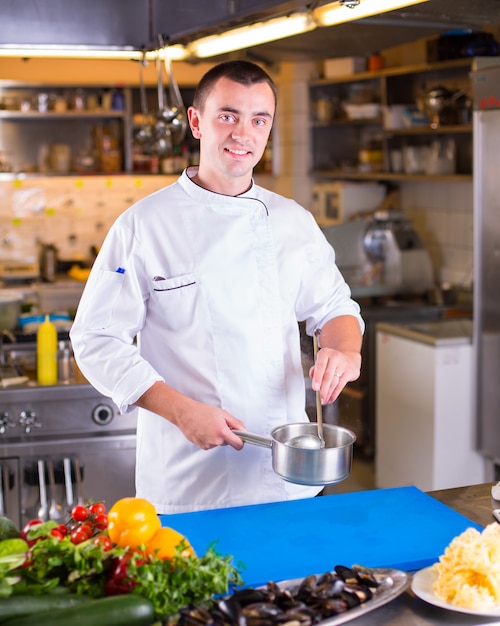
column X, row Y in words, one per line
column 361, row 120
column 60, row 129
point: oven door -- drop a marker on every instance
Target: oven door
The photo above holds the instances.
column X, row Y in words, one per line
column 45, row 479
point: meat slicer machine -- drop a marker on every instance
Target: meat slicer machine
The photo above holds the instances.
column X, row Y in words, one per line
column 381, row 254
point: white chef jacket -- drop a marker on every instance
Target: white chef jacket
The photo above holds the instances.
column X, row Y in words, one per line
column 212, row 287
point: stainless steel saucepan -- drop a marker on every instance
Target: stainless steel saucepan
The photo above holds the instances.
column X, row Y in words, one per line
column 306, row 466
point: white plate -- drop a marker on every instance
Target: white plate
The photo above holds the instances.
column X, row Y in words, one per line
column 422, row 587
column 393, row 583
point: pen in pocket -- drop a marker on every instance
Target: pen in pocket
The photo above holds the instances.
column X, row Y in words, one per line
column 120, row 270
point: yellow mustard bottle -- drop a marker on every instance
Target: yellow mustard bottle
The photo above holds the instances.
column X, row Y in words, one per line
column 46, row 353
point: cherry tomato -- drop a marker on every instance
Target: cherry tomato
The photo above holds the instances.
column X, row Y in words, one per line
column 78, row 535
column 104, row 542
column 29, row 525
column 63, row 529
column 55, row 532
column 87, row 529
column 79, row 513
column 97, row 508
column 101, row 521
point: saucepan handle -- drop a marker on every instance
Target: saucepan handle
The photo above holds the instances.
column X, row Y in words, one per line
column 257, row 440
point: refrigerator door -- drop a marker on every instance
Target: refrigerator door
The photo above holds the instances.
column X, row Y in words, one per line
column 486, row 88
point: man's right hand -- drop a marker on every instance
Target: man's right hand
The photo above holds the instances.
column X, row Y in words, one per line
column 204, row 425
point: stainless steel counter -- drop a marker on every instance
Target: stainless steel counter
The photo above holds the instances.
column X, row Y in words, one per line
column 474, row 502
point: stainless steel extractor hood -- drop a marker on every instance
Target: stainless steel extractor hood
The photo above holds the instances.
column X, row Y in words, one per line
column 135, row 24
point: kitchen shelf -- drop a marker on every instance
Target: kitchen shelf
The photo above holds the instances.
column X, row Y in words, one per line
column 56, row 115
column 65, row 130
column 389, row 176
column 337, row 143
column 418, row 68
column 451, row 129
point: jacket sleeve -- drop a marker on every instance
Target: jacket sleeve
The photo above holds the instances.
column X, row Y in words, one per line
column 324, row 294
column 109, row 316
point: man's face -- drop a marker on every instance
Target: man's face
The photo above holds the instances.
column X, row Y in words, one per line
column 233, row 129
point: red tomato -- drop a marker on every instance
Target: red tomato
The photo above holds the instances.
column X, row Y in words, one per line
column 97, row 508
column 87, row 529
column 29, row 525
column 79, row 535
column 101, row 521
column 63, row 529
column 79, row 513
column 103, row 541
column 55, row 532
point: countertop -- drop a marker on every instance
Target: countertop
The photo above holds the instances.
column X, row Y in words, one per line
column 402, row 528
column 476, row 503
column 446, row 332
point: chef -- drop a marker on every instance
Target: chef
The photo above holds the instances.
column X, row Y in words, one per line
column 191, row 308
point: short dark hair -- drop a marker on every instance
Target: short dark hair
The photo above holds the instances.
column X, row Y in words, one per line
column 243, row 72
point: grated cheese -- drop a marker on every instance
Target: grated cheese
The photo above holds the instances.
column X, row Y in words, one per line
column 468, row 573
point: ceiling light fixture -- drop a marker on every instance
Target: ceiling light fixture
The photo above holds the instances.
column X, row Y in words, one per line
column 175, row 52
column 252, row 35
column 349, row 10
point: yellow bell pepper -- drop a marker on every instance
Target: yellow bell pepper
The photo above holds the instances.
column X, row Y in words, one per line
column 132, row 522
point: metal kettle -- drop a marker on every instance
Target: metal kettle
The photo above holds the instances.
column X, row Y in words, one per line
column 439, row 104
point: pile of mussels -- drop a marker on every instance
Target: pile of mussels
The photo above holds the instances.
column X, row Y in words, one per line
column 314, row 599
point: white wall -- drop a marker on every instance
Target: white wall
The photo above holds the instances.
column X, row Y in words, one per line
column 443, row 216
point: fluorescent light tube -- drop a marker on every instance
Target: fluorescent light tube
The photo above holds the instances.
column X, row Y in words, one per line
column 336, row 13
column 175, row 52
column 253, row 35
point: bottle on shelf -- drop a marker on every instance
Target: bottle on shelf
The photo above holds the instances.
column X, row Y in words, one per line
column 46, row 353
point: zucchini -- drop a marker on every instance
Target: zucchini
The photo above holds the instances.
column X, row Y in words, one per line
column 20, row 605
column 123, row 610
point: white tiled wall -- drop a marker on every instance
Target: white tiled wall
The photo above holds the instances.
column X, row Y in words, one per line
column 72, row 212
column 442, row 213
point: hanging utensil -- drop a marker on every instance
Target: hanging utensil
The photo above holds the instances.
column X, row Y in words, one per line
column 162, row 132
column 179, row 122
column 171, row 119
column 43, row 511
column 55, row 509
column 144, row 135
column 78, row 480
column 312, row 441
column 68, row 483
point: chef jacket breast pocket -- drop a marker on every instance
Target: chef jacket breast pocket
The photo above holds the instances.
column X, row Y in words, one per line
column 177, row 299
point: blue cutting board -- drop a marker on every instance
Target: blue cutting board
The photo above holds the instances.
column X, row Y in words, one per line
column 402, row 528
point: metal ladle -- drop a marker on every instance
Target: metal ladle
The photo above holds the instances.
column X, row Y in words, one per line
column 312, row 442
column 144, row 135
column 171, row 120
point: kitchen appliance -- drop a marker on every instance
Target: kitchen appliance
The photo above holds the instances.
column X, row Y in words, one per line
column 424, row 406
column 14, row 271
column 10, row 309
column 381, row 255
column 76, row 431
column 307, row 466
column 397, row 293
column 486, row 123
column 48, row 262
column 336, row 202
